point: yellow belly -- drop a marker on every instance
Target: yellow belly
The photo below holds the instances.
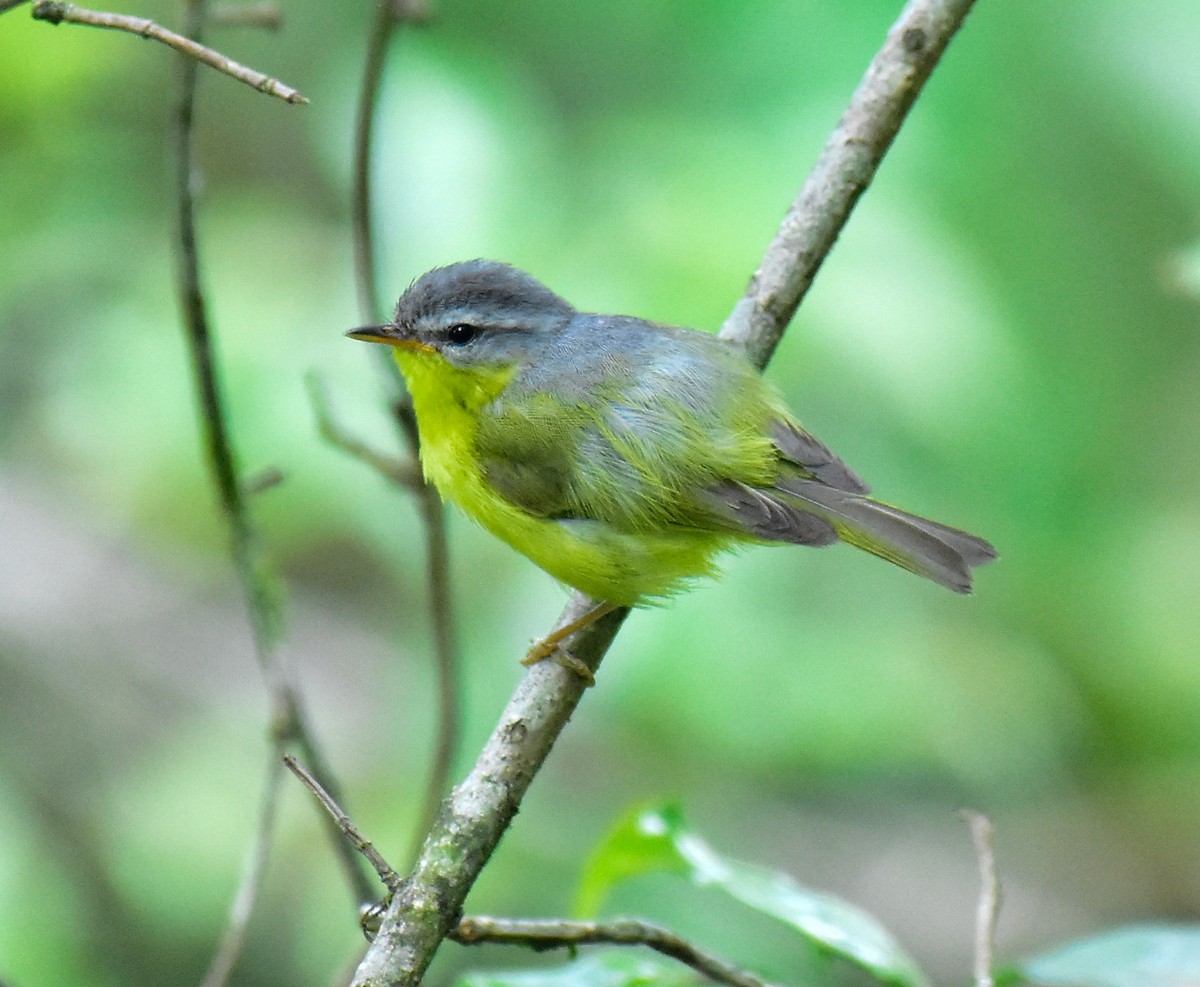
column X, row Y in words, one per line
column 622, row 567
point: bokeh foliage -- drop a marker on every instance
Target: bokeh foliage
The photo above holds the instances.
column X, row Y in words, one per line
column 1005, row 338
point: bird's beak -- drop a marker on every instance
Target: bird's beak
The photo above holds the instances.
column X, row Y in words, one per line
column 391, row 334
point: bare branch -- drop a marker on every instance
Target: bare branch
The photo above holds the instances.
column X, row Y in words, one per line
column 288, row 722
column 54, row 12
column 541, row 934
column 7, row 5
column 265, row 15
column 262, row 481
column 404, row 473
column 842, row 173
column 537, row 934
column 479, row 810
column 391, row 880
column 445, row 644
column 244, row 900
column 988, row 909
column 437, row 554
column 387, row 16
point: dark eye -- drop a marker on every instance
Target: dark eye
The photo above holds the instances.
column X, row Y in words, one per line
column 461, row 334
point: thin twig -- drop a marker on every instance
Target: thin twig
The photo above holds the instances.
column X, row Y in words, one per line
column 478, row 811
column 391, row 880
column 262, row 481
column 541, row 934
column 265, row 15
column 476, row 814
column 234, row 938
column 288, row 722
column 67, row 13
column 291, row 730
column 403, row 472
column 445, row 645
column 437, row 554
column 987, row 911
column 260, row 604
column 406, row 473
column 365, row 275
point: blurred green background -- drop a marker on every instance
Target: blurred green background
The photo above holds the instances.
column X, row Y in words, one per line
column 1005, row 338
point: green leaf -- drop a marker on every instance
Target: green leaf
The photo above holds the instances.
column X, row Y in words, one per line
column 624, row 968
column 655, row 838
column 641, row 842
column 1137, row 956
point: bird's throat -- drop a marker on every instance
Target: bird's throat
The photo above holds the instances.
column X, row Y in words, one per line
column 448, row 401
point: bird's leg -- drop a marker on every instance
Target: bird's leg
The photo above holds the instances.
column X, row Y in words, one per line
column 551, row 644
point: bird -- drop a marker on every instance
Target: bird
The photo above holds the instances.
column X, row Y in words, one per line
column 624, row 456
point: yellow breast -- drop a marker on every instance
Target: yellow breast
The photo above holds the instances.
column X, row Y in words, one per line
column 602, row 561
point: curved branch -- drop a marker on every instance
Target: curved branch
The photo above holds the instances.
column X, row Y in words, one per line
column 388, row 15
column 541, row 934
column 478, row 811
column 289, row 724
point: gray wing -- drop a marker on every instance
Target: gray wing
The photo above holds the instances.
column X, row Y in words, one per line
column 525, row 451
column 764, row 515
column 796, row 446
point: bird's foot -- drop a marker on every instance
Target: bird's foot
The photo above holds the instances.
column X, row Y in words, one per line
column 561, row 656
column 551, row 646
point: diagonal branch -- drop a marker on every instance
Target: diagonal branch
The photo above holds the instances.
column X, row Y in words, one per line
column 845, row 168
column 535, row 934
column 479, row 810
column 476, row 813
column 54, row 12
column 389, row 878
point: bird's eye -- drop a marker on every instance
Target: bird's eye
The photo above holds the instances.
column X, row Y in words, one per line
column 461, row 334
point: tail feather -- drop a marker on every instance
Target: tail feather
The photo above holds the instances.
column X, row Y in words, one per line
column 936, row 551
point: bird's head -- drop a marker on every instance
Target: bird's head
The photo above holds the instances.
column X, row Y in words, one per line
column 475, row 314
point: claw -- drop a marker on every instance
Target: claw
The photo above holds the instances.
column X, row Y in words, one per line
column 551, row 645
